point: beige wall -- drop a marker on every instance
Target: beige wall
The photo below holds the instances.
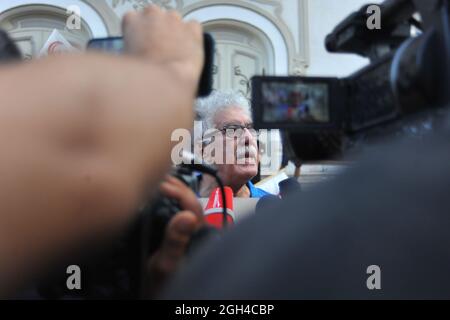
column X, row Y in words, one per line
column 303, row 25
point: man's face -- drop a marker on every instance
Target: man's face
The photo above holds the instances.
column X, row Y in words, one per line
column 240, row 145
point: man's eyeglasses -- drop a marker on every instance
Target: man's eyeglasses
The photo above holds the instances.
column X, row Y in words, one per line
column 237, row 130
column 231, row 131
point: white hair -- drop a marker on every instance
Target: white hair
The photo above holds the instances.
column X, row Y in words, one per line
column 207, row 108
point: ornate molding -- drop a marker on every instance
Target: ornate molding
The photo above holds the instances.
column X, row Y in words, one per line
column 298, row 57
column 300, row 62
column 298, row 66
column 243, row 81
column 139, row 4
column 109, row 17
column 278, row 6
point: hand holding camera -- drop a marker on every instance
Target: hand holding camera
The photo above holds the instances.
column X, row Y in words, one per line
column 178, row 233
column 163, row 38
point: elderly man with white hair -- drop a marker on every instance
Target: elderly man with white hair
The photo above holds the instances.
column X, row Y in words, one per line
column 227, row 116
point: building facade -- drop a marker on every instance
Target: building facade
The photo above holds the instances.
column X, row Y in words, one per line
column 253, row 37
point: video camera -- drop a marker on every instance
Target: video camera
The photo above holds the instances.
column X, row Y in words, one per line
column 407, row 74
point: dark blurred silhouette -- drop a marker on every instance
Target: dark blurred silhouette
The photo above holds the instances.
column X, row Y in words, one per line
column 267, row 202
column 8, row 49
column 288, row 187
column 390, row 210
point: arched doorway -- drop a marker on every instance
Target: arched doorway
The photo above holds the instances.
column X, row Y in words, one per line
column 30, row 27
column 241, row 52
column 30, row 23
column 258, row 25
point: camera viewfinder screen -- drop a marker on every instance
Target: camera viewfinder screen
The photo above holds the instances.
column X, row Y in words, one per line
column 295, row 102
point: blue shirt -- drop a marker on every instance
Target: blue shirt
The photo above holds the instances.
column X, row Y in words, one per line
column 256, row 192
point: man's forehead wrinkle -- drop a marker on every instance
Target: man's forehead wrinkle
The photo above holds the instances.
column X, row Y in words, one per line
column 222, row 112
column 232, row 115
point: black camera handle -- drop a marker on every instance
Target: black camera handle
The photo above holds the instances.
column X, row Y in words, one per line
column 140, row 281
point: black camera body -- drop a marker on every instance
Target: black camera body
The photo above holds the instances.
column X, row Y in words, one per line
column 9, row 52
column 406, row 75
column 158, row 212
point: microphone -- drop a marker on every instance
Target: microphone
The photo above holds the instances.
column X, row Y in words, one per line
column 223, row 196
column 215, row 207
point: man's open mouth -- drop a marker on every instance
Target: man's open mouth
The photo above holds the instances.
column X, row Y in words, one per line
column 246, row 155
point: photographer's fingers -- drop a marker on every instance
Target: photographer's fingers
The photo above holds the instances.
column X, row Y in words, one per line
column 173, row 248
column 178, row 234
column 176, row 189
column 174, row 245
column 152, row 9
column 196, row 29
column 163, row 38
column 128, row 18
column 174, row 15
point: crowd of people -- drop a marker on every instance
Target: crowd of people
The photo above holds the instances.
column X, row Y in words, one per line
column 97, row 165
column 76, row 166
